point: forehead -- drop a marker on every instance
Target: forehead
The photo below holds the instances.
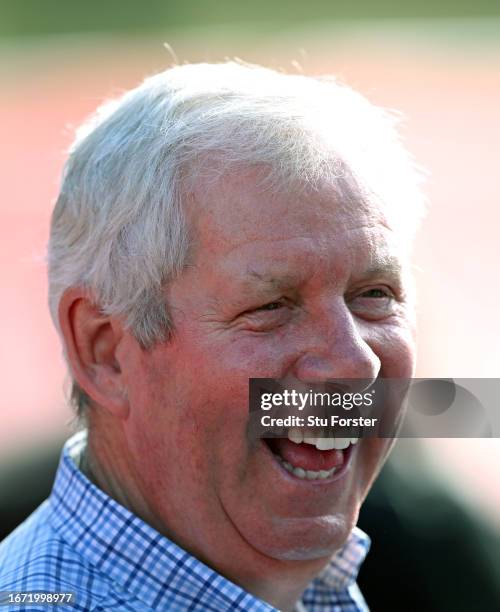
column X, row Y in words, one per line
column 238, row 208
column 239, row 222
column 272, row 240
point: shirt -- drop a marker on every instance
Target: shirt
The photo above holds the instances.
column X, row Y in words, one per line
column 81, row 541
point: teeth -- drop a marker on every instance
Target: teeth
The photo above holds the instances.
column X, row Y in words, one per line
column 342, row 443
column 295, row 434
column 298, row 435
column 299, row 472
column 306, row 474
column 325, row 443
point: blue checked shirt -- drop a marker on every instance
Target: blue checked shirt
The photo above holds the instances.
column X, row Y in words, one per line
column 83, row 542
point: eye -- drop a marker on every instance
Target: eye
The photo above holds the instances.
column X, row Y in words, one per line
column 269, row 316
column 376, row 293
column 270, row 306
column 374, row 303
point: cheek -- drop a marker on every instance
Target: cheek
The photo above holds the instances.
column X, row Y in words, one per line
column 260, row 356
column 395, row 347
column 374, row 452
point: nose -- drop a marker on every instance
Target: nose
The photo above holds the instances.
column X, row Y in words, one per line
column 338, row 349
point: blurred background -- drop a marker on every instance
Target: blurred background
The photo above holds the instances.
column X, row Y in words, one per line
column 434, row 515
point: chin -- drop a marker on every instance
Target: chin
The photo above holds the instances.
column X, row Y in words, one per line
column 304, row 539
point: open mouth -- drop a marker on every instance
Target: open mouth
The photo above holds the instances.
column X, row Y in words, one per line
column 311, row 458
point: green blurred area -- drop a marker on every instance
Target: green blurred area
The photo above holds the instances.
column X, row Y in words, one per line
column 37, row 17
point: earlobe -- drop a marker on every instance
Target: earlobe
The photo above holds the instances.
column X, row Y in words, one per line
column 91, row 340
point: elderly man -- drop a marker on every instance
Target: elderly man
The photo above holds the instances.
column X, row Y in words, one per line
column 217, row 223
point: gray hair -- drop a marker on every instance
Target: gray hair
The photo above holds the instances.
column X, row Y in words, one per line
column 118, row 227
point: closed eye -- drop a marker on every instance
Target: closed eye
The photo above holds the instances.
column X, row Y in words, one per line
column 270, row 306
column 269, row 316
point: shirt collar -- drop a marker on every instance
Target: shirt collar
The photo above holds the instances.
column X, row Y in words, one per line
column 149, row 565
column 343, row 569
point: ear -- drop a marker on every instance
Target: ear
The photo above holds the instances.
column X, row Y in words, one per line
column 91, row 340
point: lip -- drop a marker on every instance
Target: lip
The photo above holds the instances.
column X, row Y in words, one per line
column 349, row 454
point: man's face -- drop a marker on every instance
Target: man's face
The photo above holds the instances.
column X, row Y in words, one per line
column 296, row 285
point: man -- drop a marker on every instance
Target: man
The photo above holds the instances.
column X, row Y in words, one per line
column 217, row 223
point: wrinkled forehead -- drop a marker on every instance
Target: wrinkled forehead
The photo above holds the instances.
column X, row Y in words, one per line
column 245, row 204
column 240, row 225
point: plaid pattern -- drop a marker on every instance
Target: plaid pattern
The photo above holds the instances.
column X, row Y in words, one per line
column 82, row 541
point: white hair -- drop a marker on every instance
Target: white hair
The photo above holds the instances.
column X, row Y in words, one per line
column 118, row 227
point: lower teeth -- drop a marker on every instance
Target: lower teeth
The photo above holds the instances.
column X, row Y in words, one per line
column 306, row 474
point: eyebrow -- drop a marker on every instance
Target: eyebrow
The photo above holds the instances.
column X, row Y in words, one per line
column 283, row 282
column 383, row 265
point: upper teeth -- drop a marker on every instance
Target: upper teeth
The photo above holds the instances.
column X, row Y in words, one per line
column 297, row 435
